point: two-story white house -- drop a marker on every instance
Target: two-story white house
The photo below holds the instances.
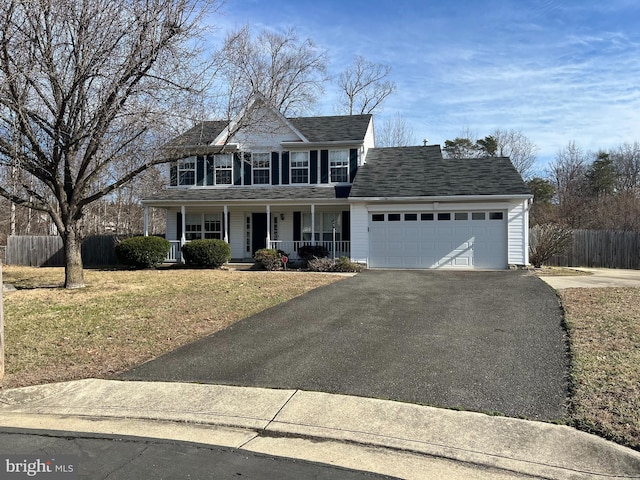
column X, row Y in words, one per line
column 264, row 180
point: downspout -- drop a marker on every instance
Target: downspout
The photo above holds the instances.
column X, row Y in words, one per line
column 268, row 226
column 224, row 222
column 183, row 237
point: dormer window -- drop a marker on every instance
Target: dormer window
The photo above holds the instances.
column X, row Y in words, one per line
column 299, row 167
column 223, row 165
column 339, row 166
column 261, row 163
column 187, row 171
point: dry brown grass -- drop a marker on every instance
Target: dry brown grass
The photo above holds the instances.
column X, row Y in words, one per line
column 604, row 329
column 123, row 318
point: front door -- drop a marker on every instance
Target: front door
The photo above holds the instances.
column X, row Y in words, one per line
column 258, row 231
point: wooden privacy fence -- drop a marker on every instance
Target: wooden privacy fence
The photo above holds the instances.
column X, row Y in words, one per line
column 47, row 251
column 601, row 248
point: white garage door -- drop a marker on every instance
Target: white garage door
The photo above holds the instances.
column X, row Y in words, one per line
column 464, row 240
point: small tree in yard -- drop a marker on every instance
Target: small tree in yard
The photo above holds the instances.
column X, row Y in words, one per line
column 86, row 87
column 548, row 240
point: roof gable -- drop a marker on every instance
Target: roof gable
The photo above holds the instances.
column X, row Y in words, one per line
column 423, row 172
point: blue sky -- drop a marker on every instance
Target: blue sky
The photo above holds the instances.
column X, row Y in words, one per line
column 557, row 71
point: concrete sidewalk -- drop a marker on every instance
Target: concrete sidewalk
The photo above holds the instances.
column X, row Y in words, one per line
column 398, row 439
column 599, row 278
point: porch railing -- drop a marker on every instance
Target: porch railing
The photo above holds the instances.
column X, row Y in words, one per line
column 175, row 254
column 342, row 248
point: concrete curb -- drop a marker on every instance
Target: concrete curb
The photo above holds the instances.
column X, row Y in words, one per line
column 302, row 424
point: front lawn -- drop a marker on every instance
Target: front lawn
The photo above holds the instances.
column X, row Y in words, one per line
column 123, row 318
column 604, row 331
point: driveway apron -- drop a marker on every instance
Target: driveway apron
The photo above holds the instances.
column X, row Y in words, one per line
column 483, row 341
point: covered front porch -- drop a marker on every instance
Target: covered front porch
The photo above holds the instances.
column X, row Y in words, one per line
column 248, row 228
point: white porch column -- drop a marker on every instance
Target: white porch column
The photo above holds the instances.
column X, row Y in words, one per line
column 313, row 224
column 183, row 238
column 146, row 221
column 225, row 223
column 268, row 226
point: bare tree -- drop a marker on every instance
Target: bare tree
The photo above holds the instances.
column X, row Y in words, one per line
column 90, row 83
column 394, row 132
column 626, row 161
column 567, row 175
column 288, row 72
column 515, row 145
column 364, row 85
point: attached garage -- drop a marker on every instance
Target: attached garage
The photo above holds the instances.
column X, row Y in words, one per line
column 411, row 208
column 460, row 239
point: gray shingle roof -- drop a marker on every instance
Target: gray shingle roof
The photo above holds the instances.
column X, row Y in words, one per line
column 202, row 134
column 333, row 129
column 423, row 172
column 315, row 129
column 248, row 193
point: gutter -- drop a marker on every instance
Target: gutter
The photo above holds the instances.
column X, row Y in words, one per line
column 441, row 198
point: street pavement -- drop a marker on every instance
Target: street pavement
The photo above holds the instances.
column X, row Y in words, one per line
column 480, row 341
column 117, row 457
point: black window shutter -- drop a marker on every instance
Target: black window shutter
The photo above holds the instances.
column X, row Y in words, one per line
column 247, row 168
column 179, row 225
column 275, row 168
column 313, row 165
column 297, row 226
column 324, row 166
column 237, row 166
column 209, row 168
column 173, row 175
column 353, row 163
column 200, row 171
column 285, row 168
column 346, row 225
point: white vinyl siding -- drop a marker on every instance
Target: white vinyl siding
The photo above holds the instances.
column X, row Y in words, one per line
column 518, row 232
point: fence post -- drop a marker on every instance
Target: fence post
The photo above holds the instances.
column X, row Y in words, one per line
column 1, row 326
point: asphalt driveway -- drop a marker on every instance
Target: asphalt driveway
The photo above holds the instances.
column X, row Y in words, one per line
column 485, row 341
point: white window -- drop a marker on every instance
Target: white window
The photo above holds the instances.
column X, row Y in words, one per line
column 339, row 166
column 325, row 221
column 187, row 171
column 193, row 226
column 261, row 163
column 213, row 225
column 223, row 165
column 299, row 167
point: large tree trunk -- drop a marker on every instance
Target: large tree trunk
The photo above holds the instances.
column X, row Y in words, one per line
column 73, row 273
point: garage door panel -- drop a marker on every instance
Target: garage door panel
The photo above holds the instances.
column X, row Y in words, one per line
column 452, row 243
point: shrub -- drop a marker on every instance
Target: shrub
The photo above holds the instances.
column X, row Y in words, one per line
column 142, row 252
column 269, row 259
column 211, row 253
column 343, row 264
column 308, row 252
column 546, row 241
